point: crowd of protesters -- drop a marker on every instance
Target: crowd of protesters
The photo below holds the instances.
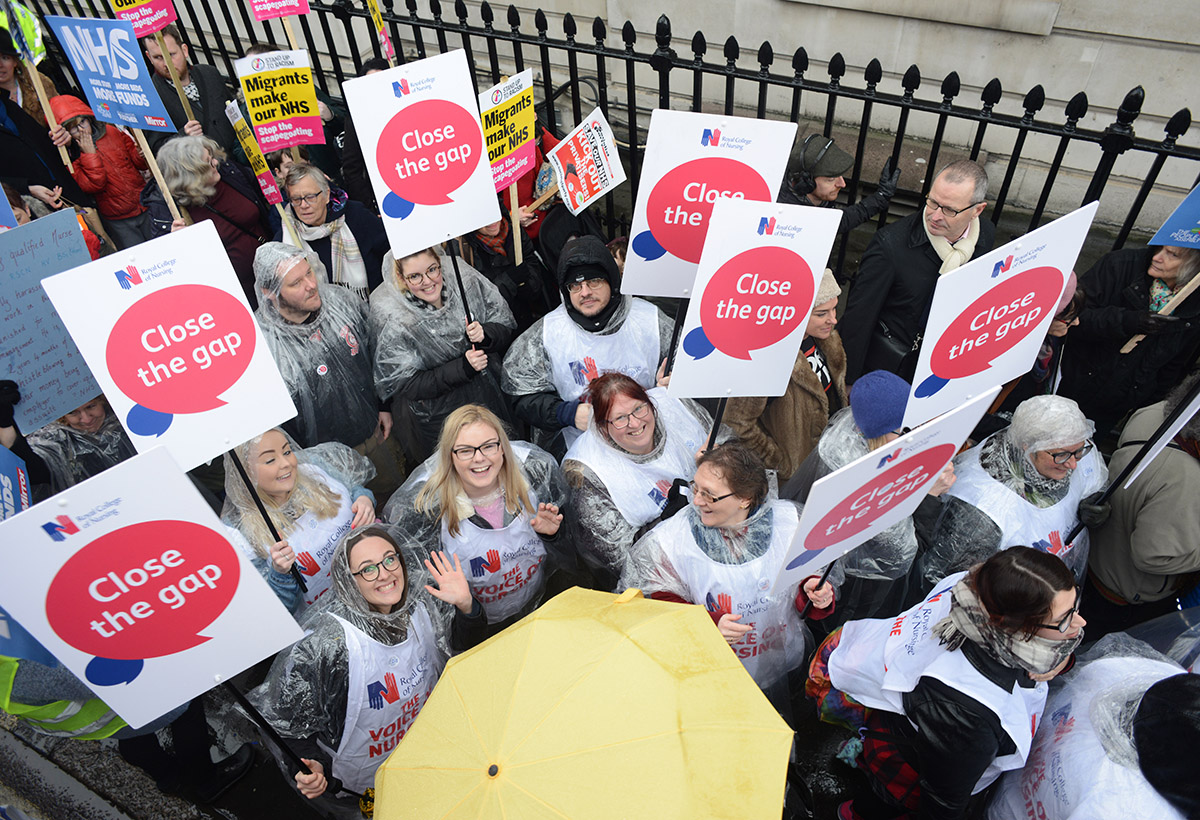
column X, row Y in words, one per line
column 460, row 411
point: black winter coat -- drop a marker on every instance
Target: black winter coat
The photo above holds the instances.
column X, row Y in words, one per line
column 523, row 287
column 28, row 157
column 1106, row 383
column 853, row 214
column 894, row 288
column 215, row 91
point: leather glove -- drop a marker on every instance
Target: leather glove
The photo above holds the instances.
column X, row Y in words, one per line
column 1091, row 512
column 889, row 178
column 1147, row 322
column 10, row 394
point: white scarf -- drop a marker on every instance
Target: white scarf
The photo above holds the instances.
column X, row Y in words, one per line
column 956, row 255
column 349, row 271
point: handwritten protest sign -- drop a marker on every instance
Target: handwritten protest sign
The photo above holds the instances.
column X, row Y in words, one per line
column 423, row 145
column 35, row 349
column 258, row 163
column 691, row 160
column 147, row 16
column 508, row 121
column 587, row 163
column 167, row 331
column 989, row 317
column 852, row 505
column 271, row 9
column 1182, row 228
column 135, row 587
column 108, row 63
column 281, row 99
column 754, row 291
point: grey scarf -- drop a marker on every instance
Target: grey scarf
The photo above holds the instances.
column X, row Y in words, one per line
column 969, row 621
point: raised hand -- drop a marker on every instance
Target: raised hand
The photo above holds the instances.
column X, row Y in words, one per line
column 451, row 581
column 282, row 557
column 731, row 630
column 475, row 333
column 364, row 512
column 547, row 520
column 311, row 785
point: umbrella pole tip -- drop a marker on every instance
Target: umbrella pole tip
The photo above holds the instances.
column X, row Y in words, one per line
column 493, row 770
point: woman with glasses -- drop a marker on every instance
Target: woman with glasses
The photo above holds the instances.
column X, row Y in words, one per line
column 314, row 496
column 428, row 359
column 641, row 445
column 347, row 238
column 948, row 696
column 1030, row 484
column 212, row 188
column 496, row 505
column 723, row 552
column 876, row 572
column 349, row 690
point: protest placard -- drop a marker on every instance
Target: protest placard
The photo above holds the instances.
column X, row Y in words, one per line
column 271, row 9
column 506, row 111
column 989, row 317
column 8, row 219
column 15, row 494
column 1182, row 228
column 281, row 99
column 108, row 62
column 258, row 163
column 168, row 334
column 852, row 505
column 757, row 278
column 147, row 16
column 423, row 146
column 381, row 32
column 135, row 586
column 692, row 159
column 35, row 349
column 586, row 162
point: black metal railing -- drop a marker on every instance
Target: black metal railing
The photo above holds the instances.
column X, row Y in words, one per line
column 580, row 69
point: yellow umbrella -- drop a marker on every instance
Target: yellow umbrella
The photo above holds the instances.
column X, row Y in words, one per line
column 595, row 706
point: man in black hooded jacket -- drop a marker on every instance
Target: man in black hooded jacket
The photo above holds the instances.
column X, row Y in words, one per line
column 596, row 330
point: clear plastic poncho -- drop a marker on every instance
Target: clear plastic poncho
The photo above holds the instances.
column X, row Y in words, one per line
column 412, row 336
column 964, row 534
column 684, row 557
column 1083, row 764
column 422, row 532
column 305, row 693
column 527, row 364
column 348, row 470
column 603, row 533
column 889, row 555
column 325, row 362
column 72, row 455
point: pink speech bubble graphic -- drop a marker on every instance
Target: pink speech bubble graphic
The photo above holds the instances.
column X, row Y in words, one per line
column 755, row 299
column 143, row 591
column 425, row 153
column 179, row 348
column 991, row 326
column 680, row 205
column 879, row 495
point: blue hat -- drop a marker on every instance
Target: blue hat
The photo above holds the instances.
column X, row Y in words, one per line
column 877, row 401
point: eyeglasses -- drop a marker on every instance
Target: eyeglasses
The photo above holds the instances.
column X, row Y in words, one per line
column 1063, row 456
column 933, row 205
column 1064, row 625
column 622, row 421
column 592, row 284
column 307, row 199
column 75, row 125
column 371, row 571
column 705, row 496
column 467, row 452
column 431, row 273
